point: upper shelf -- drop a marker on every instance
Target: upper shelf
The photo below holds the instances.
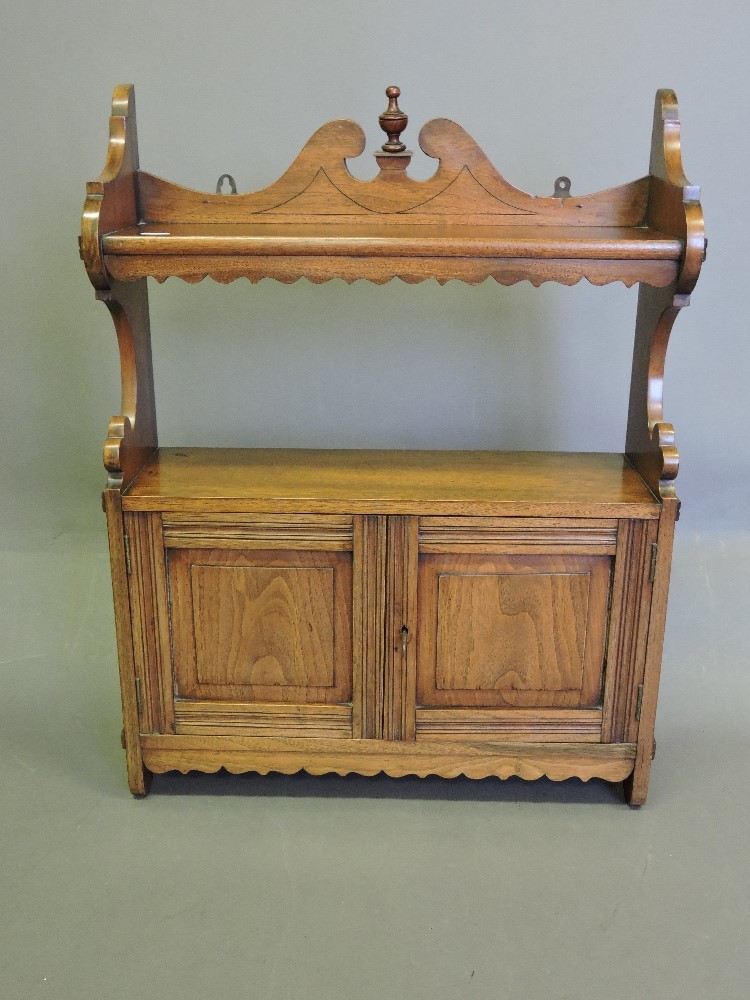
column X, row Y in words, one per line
column 320, row 222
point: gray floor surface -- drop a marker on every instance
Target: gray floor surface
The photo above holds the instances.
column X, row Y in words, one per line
column 223, row 886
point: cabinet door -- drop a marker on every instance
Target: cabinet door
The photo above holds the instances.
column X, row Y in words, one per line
column 266, row 624
column 512, row 624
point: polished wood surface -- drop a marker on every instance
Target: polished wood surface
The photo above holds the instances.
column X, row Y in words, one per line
column 111, row 203
column 466, row 189
column 630, row 608
column 390, row 226
column 511, row 630
column 274, row 720
column 379, row 270
column 112, row 199
column 413, row 612
column 139, row 778
column 452, row 482
column 329, row 532
column 636, row 785
column 381, row 239
column 402, row 633
column 513, row 535
column 674, row 205
column 150, row 621
column 527, row 725
column 611, row 761
column 262, row 626
column 131, row 435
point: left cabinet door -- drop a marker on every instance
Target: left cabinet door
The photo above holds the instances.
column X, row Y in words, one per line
column 251, row 624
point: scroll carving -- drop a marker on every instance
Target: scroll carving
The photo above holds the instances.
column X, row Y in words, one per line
column 112, row 199
column 674, row 209
column 318, row 188
column 112, row 203
column 131, row 435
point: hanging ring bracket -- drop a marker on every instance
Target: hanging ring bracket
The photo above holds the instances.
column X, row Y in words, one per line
column 230, row 180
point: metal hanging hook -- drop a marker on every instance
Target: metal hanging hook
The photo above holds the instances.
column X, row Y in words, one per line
column 230, row 180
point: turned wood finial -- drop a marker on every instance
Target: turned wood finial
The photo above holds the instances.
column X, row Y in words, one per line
column 393, row 121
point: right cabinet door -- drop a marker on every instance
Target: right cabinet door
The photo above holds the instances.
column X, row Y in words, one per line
column 514, row 619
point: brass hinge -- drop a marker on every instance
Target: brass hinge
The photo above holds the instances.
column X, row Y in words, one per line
column 654, row 556
column 639, row 703
column 138, row 699
column 126, row 540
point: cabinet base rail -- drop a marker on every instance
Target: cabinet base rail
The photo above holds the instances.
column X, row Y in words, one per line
column 238, row 754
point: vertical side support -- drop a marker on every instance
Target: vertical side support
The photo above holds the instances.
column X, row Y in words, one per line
column 674, row 209
column 132, row 435
column 112, row 202
column 628, row 635
column 649, row 442
column 636, row 786
column 139, row 778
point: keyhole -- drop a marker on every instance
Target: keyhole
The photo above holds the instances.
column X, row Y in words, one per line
column 404, row 638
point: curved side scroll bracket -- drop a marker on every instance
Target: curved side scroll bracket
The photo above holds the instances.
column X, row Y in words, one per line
column 112, row 199
column 674, row 203
column 111, row 204
column 674, row 209
column 131, row 436
column 650, row 442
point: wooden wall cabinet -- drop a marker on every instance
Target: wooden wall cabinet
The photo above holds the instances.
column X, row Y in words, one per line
column 476, row 612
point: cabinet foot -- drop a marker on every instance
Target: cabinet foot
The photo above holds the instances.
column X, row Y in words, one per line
column 635, row 786
column 139, row 782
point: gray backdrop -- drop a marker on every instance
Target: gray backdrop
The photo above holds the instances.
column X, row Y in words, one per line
column 544, row 88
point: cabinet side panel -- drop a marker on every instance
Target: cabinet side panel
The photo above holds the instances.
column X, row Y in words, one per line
column 138, row 778
column 149, row 602
column 636, row 786
column 629, row 619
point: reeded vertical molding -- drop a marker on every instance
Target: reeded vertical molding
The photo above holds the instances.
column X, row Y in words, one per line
column 629, row 615
column 139, row 778
column 369, row 610
column 636, row 786
column 150, row 614
column 399, row 699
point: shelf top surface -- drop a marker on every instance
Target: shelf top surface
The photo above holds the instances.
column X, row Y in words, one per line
column 582, row 484
column 381, row 239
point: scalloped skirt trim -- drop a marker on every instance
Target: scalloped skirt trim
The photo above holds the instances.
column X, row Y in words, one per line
column 557, row 761
column 287, row 270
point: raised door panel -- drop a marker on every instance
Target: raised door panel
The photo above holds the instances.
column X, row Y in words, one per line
column 269, row 633
column 512, row 623
column 262, row 626
column 512, row 630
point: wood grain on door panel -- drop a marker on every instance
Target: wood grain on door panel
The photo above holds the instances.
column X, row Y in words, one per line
column 511, row 630
column 262, row 625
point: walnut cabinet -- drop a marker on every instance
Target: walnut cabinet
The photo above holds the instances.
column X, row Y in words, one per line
column 413, row 612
